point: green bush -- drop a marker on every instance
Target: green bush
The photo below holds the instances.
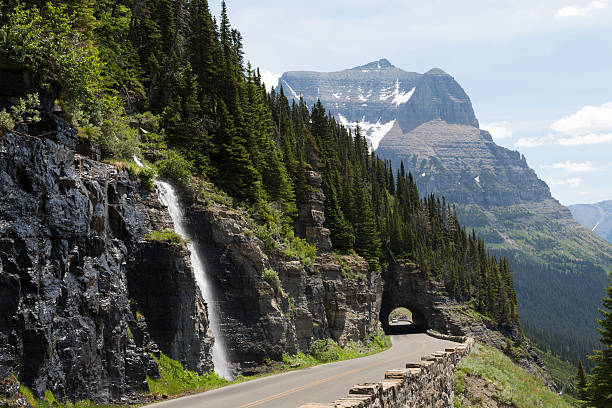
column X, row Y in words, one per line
column 46, row 41
column 325, row 350
column 167, row 236
column 24, row 112
column 175, row 168
column 147, row 178
column 271, row 277
column 276, row 231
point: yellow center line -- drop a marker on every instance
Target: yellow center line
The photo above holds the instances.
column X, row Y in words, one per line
column 303, row 387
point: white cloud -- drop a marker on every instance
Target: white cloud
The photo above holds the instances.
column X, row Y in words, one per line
column 591, row 125
column 589, row 139
column 535, row 141
column 573, row 182
column 590, row 119
column 269, row 78
column 499, row 130
column 579, row 11
column 571, row 167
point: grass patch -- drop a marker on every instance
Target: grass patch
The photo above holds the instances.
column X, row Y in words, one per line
column 167, row 236
column 49, row 401
column 175, row 380
column 327, row 351
column 512, row 385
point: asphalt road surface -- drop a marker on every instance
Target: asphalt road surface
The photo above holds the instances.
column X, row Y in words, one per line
column 324, row 383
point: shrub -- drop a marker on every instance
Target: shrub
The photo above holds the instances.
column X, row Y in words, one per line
column 45, row 41
column 147, row 178
column 325, row 350
column 271, row 277
column 24, row 112
column 174, row 167
column 167, row 236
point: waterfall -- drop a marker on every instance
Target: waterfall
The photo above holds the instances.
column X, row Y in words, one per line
column 167, row 196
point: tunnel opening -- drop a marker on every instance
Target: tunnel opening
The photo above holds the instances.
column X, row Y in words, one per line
column 402, row 320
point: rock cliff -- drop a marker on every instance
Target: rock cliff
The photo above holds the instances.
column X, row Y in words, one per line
column 85, row 298
column 260, row 321
column 77, row 278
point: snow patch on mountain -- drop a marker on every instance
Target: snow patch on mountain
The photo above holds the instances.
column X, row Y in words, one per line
column 398, row 96
column 374, row 132
column 402, row 97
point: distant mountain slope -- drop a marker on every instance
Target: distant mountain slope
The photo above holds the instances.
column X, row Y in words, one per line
column 427, row 122
column 596, row 217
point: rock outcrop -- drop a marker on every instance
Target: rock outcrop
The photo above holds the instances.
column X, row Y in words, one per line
column 77, row 277
column 312, row 213
column 260, row 321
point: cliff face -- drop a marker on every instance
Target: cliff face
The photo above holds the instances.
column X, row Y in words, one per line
column 462, row 163
column 260, row 321
column 77, row 280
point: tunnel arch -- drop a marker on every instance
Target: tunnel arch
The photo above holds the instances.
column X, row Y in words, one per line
column 418, row 324
column 404, row 285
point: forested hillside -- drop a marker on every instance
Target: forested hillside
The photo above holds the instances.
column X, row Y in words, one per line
column 164, row 80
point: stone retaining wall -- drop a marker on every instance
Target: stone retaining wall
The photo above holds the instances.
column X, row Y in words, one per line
column 423, row 384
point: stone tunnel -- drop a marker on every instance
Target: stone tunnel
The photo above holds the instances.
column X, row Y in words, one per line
column 406, row 286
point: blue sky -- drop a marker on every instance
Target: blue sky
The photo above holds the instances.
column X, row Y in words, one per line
column 539, row 73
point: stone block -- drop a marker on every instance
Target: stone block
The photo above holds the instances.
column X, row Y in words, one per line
column 366, row 389
column 395, row 374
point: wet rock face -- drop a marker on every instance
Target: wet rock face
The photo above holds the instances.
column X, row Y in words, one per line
column 70, row 230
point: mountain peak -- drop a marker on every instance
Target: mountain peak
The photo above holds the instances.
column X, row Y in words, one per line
column 380, row 64
column 436, row 71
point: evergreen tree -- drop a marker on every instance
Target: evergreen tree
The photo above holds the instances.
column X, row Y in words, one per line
column 581, row 383
column 600, row 381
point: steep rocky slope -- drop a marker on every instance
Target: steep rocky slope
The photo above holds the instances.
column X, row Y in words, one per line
column 433, row 130
column 596, row 217
column 73, row 266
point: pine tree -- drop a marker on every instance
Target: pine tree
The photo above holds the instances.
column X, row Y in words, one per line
column 600, row 381
column 581, row 383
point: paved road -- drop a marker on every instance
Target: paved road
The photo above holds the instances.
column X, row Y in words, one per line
column 324, row 383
